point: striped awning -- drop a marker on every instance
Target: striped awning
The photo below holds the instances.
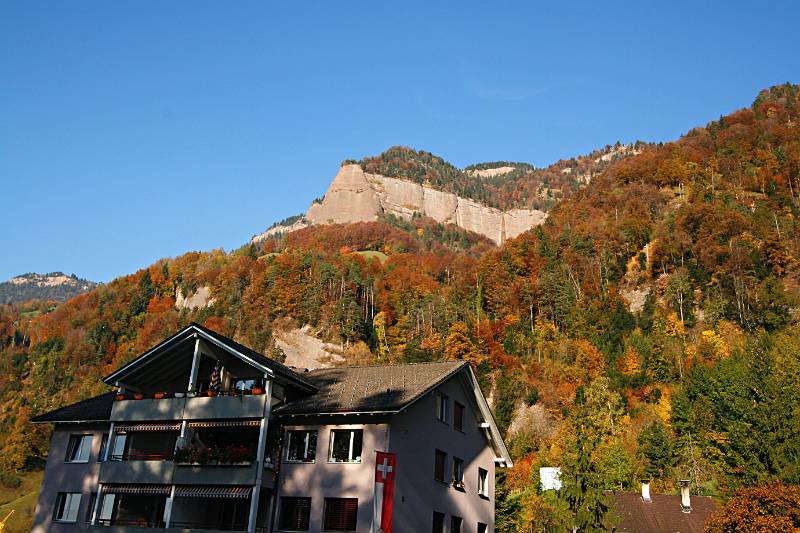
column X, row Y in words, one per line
column 136, row 489
column 199, row 491
column 127, row 428
column 225, row 424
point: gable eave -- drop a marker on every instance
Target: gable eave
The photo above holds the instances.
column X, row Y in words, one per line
column 189, row 332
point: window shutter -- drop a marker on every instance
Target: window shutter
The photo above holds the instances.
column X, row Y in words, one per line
column 341, row 514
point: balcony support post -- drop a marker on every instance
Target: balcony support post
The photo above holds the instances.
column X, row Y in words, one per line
column 97, row 501
column 195, row 365
column 260, row 452
column 168, row 508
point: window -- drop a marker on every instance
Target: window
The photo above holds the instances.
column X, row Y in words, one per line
column 103, row 445
column 107, row 507
column 301, row 446
column 118, row 448
column 438, row 522
column 67, row 504
column 458, row 416
column 438, row 467
column 340, row 514
column 455, row 524
column 483, row 482
column 346, row 445
column 458, row 472
column 90, row 507
column 441, row 407
column 295, row 514
column 482, row 528
column 79, row 448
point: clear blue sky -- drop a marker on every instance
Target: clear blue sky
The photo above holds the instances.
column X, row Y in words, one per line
column 131, row 131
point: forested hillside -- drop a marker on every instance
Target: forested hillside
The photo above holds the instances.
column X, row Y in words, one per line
column 520, row 185
column 647, row 329
column 53, row 286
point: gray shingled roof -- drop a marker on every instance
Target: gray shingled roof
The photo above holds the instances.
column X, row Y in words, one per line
column 93, row 409
column 661, row 515
column 365, row 389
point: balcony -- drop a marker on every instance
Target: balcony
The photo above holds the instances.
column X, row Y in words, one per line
column 133, row 471
column 189, row 408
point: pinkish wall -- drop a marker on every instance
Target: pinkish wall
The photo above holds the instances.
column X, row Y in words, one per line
column 67, row 477
column 415, row 436
column 322, row 479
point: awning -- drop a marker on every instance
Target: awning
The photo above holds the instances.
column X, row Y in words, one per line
column 136, row 489
column 198, row 491
column 127, row 428
column 225, row 424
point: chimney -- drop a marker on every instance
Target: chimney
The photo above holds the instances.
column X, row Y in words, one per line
column 686, row 502
column 646, row 490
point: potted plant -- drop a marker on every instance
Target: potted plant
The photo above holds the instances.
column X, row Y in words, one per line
column 138, row 396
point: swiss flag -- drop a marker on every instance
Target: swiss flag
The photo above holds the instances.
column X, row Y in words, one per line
column 385, row 468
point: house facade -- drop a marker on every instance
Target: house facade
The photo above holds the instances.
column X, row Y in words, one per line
column 205, row 434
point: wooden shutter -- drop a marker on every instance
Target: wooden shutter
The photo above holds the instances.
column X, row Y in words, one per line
column 341, row 514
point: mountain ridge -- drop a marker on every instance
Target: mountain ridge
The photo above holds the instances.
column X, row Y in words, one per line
column 51, row 286
column 404, row 182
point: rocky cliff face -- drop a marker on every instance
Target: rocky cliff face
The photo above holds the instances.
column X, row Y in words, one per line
column 356, row 196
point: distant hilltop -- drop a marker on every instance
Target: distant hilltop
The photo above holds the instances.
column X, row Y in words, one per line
column 52, row 286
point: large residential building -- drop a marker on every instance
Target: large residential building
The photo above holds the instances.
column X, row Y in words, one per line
column 205, row 434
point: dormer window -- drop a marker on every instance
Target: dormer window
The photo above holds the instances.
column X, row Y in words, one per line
column 442, row 408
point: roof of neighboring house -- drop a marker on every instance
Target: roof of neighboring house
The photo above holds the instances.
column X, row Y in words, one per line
column 662, row 514
column 96, row 409
column 370, row 389
column 226, row 343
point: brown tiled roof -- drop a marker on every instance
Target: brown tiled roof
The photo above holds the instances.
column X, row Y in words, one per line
column 370, row 389
column 93, row 409
column 662, row 514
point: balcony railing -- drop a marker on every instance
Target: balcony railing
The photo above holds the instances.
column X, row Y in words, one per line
column 130, row 523
column 217, row 527
column 142, row 457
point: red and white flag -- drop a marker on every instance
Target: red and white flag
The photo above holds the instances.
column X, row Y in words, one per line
column 385, row 467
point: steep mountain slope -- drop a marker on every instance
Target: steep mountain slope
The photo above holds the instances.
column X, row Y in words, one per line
column 53, row 286
column 491, row 199
column 701, row 381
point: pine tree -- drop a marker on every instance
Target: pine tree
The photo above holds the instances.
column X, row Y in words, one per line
column 586, row 505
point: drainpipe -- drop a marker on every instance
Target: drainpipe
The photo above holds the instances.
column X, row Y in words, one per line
column 646, row 490
column 686, row 502
column 262, row 438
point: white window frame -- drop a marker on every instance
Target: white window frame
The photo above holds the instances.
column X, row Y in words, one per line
column 71, row 506
column 107, row 507
column 352, row 432
column 84, row 448
column 442, row 408
column 460, row 462
column 118, row 447
column 483, row 482
column 307, row 436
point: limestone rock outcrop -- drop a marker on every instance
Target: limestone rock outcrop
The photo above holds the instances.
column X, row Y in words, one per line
column 356, row 196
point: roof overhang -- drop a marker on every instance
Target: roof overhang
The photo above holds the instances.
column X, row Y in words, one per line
column 489, row 425
column 188, row 333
